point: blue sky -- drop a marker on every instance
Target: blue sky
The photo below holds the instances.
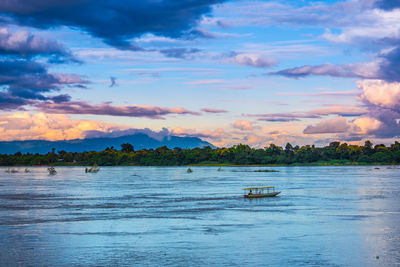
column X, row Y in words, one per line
column 230, row 72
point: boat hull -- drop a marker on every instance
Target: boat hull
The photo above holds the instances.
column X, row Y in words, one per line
column 273, row 194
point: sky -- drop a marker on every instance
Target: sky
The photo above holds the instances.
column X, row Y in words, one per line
column 229, row 72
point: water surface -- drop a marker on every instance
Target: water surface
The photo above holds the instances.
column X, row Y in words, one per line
column 163, row 216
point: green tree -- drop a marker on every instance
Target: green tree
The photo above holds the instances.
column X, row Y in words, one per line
column 127, row 148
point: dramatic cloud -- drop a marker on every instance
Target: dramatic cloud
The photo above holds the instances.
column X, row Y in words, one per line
column 383, row 101
column 212, row 110
column 113, row 21
column 78, row 107
column 243, row 125
column 9, row 102
column 379, row 117
column 41, row 126
column 374, row 27
column 355, row 130
column 370, row 29
column 377, row 124
column 25, row 80
column 165, row 31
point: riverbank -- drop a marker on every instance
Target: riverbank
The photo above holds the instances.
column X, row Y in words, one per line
column 295, row 164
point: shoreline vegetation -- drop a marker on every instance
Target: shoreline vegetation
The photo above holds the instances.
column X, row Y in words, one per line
column 335, row 154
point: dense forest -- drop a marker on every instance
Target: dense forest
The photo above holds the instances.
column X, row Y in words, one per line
column 335, row 153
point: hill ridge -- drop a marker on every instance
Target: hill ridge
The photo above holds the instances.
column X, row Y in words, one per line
column 138, row 140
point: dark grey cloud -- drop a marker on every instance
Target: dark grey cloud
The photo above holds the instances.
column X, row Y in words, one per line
column 284, row 117
column 24, row 81
column 390, row 122
column 61, row 98
column 348, row 138
column 9, row 102
column 80, row 107
column 387, row 4
column 180, row 52
column 116, row 22
column 213, row 110
column 389, row 69
column 278, row 119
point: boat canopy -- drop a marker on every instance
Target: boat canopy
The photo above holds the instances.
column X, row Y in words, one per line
column 253, row 188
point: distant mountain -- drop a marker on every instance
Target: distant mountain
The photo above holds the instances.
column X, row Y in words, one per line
column 139, row 141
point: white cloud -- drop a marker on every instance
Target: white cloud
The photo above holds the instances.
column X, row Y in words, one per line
column 334, row 125
column 372, row 24
column 362, row 126
column 26, row 126
column 366, row 125
column 253, row 60
column 380, row 93
column 243, row 125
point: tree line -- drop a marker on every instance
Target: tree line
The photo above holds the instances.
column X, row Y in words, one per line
column 335, row 153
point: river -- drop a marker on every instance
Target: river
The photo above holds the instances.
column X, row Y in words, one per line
column 164, row 216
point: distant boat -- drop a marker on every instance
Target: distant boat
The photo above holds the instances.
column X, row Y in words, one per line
column 258, row 192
